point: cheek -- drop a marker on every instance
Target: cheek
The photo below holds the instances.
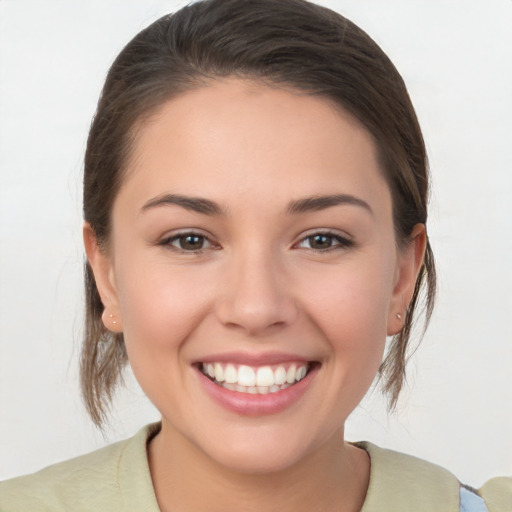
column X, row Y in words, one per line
column 353, row 301
column 160, row 304
column 356, row 331
column 350, row 307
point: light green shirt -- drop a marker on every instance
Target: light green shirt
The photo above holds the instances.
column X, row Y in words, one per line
column 117, row 478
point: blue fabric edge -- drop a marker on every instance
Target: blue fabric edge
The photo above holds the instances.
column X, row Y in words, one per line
column 471, row 502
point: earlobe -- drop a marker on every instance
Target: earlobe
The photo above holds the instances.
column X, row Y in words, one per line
column 103, row 271
column 410, row 261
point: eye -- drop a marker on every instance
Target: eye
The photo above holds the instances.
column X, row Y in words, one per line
column 188, row 242
column 324, row 241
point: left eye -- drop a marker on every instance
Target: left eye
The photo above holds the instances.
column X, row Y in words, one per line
column 324, row 242
column 188, row 242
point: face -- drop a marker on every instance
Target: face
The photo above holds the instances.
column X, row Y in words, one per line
column 254, row 271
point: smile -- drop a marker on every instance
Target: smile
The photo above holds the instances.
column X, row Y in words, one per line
column 260, row 380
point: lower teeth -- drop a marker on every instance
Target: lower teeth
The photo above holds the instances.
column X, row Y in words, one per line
column 253, row 390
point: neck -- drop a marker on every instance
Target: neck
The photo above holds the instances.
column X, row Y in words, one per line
column 333, row 477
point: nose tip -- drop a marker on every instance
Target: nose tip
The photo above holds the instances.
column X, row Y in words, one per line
column 256, row 299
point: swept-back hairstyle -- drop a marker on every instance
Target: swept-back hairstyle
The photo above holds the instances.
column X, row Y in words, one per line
column 283, row 43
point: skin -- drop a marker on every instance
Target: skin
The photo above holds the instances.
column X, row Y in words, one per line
column 259, row 285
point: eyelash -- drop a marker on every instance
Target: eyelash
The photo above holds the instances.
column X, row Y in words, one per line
column 340, row 242
column 168, row 242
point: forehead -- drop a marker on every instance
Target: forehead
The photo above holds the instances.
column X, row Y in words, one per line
column 245, row 138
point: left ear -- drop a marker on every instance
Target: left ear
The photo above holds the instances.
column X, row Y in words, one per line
column 410, row 260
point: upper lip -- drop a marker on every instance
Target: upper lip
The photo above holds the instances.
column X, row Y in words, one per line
column 269, row 358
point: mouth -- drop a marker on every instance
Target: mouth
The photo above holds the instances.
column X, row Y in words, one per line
column 255, row 380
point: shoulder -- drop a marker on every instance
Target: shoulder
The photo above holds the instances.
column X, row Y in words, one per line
column 497, row 494
column 403, row 482
column 81, row 478
column 95, row 481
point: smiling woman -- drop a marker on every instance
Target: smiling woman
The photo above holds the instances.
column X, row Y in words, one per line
column 255, row 207
column 232, row 287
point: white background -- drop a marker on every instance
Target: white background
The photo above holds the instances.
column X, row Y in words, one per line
column 456, row 58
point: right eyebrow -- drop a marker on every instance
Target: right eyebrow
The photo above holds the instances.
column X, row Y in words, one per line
column 195, row 204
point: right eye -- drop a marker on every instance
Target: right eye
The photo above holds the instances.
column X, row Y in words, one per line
column 188, row 242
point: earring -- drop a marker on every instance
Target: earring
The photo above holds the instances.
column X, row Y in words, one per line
column 399, row 316
column 112, row 317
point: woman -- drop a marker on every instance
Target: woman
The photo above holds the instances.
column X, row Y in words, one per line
column 255, row 205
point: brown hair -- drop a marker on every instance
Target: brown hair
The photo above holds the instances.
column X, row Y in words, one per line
column 290, row 43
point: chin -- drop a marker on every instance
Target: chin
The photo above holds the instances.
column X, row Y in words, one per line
column 262, row 449
column 262, row 459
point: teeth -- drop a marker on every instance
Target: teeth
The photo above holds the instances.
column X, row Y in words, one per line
column 219, row 372
column 262, row 380
column 254, row 390
column 230, row 374
column 290, row 374
column 246, row 376
column 280, row 376
column 265, row 376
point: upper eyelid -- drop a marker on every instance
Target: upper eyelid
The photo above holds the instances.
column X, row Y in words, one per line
column 187, row 231
column 324, row 231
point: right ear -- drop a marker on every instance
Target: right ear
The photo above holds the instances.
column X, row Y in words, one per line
column 103, row 270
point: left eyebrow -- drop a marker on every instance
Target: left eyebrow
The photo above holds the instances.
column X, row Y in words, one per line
column 317, row 203
column 195, row 204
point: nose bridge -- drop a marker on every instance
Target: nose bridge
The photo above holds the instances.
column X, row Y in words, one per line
column 255, row 296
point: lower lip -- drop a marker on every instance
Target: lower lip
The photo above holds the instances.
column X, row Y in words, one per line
column 257, row 405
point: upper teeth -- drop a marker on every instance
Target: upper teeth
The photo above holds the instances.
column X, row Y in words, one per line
column 261, row 376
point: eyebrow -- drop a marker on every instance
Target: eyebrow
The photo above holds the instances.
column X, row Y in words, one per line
column 195, row 204
column 208, row 207
column 317, row 203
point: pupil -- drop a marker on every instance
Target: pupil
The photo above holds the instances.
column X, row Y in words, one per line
column 191, row 242
column 321, row 241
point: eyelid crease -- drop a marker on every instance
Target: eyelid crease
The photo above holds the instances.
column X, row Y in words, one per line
column 325, row 231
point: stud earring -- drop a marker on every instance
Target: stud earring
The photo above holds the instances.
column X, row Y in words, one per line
column 112, row 317
column 399, row 316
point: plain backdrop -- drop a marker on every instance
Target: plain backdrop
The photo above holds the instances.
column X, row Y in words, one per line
column 456, row 58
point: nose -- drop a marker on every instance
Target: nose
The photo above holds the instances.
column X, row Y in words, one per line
column 256, row 296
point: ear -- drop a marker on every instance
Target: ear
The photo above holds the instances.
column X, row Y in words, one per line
column 410, row 260
column 102, row 267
